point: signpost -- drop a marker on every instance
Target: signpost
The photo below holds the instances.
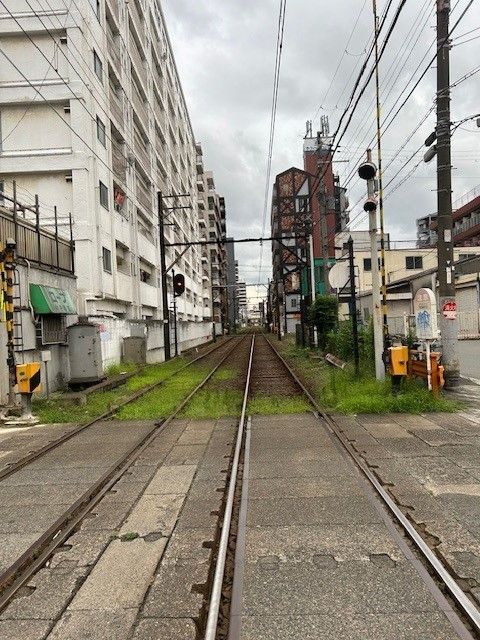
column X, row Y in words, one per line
column 425, row 309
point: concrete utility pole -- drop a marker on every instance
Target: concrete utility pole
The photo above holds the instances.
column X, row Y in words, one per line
column 367, row 171
column 353, row 304
column 446, row 279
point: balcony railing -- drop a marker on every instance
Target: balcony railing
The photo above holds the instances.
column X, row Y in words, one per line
column 119, row 163
column 137, row 19
column 116, row 106
column 144, row 195
column 141, row 151
column 34, row 243
column 140, row 108
column 114, row 50
column 138, row 62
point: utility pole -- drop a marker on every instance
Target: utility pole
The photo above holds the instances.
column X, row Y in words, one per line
column 367, row 171
column 380, row 186
column 446, row 279
column 163, row 275
column 353, row 305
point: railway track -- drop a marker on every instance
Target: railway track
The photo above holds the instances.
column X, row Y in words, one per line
column 261, row 371
column 275, row 374
column 38, row 553
column 31, row 456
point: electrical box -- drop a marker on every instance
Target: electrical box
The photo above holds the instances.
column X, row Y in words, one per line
column 85, row 353
column 28, row 377
column 398, row 361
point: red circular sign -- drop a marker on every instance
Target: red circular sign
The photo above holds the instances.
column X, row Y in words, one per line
column 449, row 309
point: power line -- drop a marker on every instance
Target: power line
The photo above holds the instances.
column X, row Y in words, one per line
column 273, row 115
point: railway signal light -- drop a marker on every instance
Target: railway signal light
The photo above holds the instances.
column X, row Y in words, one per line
column 178, row 284
column 367, row 170
column 370, row 204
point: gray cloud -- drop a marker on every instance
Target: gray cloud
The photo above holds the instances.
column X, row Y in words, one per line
column 225, row 55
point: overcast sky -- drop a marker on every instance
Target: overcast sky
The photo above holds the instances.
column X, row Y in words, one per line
column 225, row 52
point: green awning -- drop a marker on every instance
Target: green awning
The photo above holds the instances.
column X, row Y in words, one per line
column 46, row 300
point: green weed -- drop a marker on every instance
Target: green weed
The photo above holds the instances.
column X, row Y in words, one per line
column 341, row 392
column 274, row 405
column 214, row 403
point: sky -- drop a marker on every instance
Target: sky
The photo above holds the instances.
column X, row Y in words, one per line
column 225, row 53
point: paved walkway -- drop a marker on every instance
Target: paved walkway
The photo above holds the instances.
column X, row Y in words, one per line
column 321, row 560
column 137, row 568
column 431, row 466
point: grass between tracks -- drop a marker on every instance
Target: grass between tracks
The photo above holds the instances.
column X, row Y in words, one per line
column 59, row 409
column 341, row 392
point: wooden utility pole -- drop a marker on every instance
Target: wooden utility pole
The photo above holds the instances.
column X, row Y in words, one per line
column 446, row 276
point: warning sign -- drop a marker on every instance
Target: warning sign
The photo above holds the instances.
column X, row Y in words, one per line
column 449, row 309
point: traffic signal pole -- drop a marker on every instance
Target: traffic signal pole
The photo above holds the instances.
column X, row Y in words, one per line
column 446, row 275
column 163, row 276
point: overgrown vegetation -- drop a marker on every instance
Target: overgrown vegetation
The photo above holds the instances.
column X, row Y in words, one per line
column 339, row 391
column 322, row 315
column 214, row 403
column 276, row 405
column 59, row 409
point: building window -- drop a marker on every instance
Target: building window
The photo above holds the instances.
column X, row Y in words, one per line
column 98, row 66
column 107, row 260
column 103, row 195
column 54, row 329
column 293, row 303
column 145, row 276
column 367, row 264
column 413, row 262
column 101, row 134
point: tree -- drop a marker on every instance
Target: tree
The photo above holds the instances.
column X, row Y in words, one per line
column 323, row 314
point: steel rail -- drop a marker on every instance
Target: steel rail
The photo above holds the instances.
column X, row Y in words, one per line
column 13, row 578
column 457, row 593
column 216, row 594
column 35, row 455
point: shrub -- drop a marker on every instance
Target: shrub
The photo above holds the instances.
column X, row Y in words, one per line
column 323, row 314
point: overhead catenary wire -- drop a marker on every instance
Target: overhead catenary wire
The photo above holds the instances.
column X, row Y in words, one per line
column 273, row 115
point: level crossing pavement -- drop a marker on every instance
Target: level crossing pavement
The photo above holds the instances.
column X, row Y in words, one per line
column 321, row 559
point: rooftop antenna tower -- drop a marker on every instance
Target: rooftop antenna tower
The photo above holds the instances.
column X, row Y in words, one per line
column 325, row 126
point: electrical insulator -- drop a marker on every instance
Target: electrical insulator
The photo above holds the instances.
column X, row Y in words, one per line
column 430, row 154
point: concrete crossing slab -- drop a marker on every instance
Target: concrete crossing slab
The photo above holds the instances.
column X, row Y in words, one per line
column 320, row 561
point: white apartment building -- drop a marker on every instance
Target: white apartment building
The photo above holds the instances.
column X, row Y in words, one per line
column 212, row 219
column 93, row 120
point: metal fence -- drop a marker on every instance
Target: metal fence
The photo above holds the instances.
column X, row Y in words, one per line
column 468, row 324
column 34, row 243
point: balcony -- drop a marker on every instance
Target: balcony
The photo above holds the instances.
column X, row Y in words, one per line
column 141, row 150
column 116, row 106
column 148, row 294
column 140, row 108
column 138, row 63
column 114, row 51
column 137, row 19
column 119, row 162
column 144, row 195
